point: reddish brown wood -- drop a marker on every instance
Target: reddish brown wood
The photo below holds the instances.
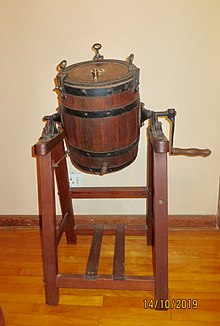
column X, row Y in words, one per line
column 48, row 227
column 108, row 192
column 44, row 147
column 116, row 132
column 63, row 191
column 99, row 103
column 218, row 208
column 160, row 144
column 93, row 260
column 137, row 283
column 160, row 244
column 62, row 227
column 191, row 151
column 110, row 230
column 150, row 190
column 158, row 224
column 119, row 253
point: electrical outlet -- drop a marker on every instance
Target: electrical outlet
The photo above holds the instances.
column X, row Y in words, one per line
column 75, row 179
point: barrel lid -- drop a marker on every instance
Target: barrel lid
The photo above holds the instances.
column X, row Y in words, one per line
column 98, row 72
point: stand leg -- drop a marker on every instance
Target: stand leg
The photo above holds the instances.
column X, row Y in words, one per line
column 160, row 246
column 63, row 190
column 2, row 319
column 48, row 227
column 149, row 220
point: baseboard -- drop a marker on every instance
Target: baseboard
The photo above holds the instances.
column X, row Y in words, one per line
column 175, row 221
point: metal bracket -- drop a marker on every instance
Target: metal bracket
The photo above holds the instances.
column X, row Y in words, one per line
column 50, row 129
column 56, row 164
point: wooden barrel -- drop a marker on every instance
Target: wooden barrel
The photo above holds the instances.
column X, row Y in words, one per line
column 100, row 111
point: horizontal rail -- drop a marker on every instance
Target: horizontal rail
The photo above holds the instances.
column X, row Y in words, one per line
column 110, row 229
column 108, row 192
column 138, row 283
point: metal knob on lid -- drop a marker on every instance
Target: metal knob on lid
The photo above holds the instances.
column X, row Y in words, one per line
column 95, row 73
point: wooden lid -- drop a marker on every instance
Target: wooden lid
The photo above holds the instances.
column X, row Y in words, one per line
column 98, row 73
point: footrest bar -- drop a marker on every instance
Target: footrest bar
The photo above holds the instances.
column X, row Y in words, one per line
column 93, row 260
column 119, row 253
column 137, row 283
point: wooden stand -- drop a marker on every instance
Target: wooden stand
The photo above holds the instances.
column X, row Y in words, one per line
column 51, row 158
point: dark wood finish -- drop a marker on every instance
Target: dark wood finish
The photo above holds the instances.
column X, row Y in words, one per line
column 149, row 202
column 110, row 229
column 46, row 163
column 42, row 148
column 160, row 144
column 62, row 227
column 93, row 261
column 54, row 162
column 106, row 128
column 117, row 132
column 108, row 192
column 119, row 253
column 63, row 191
column 48, row 227
column 191, row 151
column 218, row 208
column 160, row 243
column 83, row 103
column 106, row 282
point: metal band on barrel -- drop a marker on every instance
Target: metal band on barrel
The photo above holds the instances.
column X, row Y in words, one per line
column 99, row 92
column 115, row 153
column 101, row 114
column 109, row 170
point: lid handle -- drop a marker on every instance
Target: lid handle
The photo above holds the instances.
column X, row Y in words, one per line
column 96, row 47
column 130, row 59
column 62, row 65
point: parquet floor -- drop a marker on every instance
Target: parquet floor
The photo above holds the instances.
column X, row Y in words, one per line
column 194, row 274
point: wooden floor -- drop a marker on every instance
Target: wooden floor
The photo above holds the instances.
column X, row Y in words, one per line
column 194, row 279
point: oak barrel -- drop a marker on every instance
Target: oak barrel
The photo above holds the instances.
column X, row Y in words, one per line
column 100, row 111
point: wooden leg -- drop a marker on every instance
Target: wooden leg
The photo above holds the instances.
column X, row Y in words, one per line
column 48, row 227
column 149, row 220
column 160, row 246
column 2, row 319
column 63, row 190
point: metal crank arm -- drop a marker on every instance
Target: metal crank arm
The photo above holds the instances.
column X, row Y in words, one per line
column 191, row 152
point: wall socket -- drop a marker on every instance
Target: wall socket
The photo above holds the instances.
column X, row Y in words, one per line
column 75, row 179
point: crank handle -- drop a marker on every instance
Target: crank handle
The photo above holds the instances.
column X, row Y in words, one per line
column 191, row 152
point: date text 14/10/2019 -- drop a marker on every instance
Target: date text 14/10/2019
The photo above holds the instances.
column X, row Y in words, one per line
column 171, row 304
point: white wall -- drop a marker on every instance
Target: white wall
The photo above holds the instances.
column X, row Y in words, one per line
column 176, row 45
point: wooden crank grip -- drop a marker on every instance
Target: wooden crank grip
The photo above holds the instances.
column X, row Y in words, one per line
column 191, row 151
